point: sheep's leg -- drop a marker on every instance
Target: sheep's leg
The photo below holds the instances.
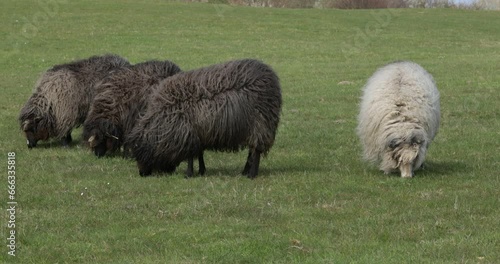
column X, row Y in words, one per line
column 201, row 164
column 67, row 139
column 100, row 150
column 246, row 169
column 168, row 168
column 254, row 168
column 189, row 171
column 144, row 170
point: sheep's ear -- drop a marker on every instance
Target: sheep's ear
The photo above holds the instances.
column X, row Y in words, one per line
column 92, row 141
column 417, row 140
column 395, row 113
column 394, row 143
column 25, row 125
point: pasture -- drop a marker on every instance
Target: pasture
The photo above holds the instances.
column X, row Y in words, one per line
column 314, row 200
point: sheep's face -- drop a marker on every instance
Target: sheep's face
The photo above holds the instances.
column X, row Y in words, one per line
column 100, row 143
column 34, row 132
column 405, row 153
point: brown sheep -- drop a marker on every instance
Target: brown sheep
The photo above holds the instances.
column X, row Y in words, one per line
column 62, row 97
column 120, row 98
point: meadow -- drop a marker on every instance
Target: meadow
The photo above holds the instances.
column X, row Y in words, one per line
column 315, row 200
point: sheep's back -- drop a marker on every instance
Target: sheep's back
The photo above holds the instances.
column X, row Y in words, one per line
column 224, row 102
column 397, row 93
column 121, row 98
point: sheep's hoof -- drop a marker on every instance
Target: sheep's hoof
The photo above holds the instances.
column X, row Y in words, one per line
column 251, row 176
column 66, row 141
column 145, row 173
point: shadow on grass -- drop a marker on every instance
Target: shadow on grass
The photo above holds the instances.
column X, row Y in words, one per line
column 429, row 169
column 58, row 144
column 264, row 171
column 79, row 144
column 442, row 168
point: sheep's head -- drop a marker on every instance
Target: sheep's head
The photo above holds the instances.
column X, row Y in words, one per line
column 405, row 152
column 34, row 130
column 101, row 142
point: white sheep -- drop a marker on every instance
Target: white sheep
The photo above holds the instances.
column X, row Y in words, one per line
column 399, row 117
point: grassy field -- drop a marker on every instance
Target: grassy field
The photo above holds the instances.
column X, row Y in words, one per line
column 314, row 201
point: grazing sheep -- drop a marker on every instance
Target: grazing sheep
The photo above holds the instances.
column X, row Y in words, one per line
column 399, row 117
column 118, row 101
column 62, row 97
column 224, row 107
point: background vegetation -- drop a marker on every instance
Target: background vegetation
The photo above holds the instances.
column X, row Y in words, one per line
column 362, row 4
column 314, row 200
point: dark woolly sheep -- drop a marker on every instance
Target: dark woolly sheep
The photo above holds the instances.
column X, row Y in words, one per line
column 119, row 100
column 224, row 107
column 62, row 97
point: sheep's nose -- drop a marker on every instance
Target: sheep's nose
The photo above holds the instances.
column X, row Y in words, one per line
column 406, row 170
column 31, row 144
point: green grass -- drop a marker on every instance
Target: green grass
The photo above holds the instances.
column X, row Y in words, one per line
column 314, row 201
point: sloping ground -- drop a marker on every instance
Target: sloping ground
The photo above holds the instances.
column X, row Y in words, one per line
column 314, row 200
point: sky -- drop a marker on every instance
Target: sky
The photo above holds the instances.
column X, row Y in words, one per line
column 492, row 4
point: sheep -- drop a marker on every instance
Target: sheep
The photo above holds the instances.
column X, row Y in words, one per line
column 399, row 117
column 223, row 107
column 62, row 97
column 119, row 100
